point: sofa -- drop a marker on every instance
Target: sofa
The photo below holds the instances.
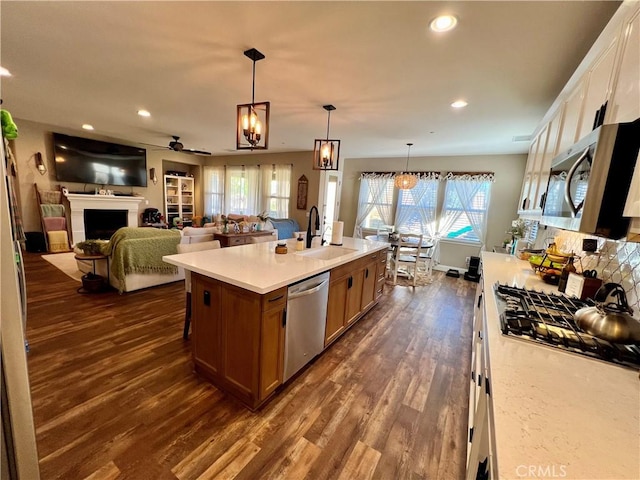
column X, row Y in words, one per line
column 135, row 258
column 281, row 228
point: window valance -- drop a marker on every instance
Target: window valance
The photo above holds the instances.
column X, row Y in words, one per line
column 392, row 175
column 471, row 176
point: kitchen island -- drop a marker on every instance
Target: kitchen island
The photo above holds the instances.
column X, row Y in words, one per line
column 239, row 306
column 547, row 413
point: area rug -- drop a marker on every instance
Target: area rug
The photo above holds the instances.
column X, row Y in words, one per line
column 422, row 280
column 65, row 262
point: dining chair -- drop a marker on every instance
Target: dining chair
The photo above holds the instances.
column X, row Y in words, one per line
column 406, row 255
column 428, row 256
column 187, row 248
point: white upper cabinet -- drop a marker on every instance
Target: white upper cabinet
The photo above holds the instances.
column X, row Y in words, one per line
column 550, row 151
column 572, row 116
column 625, row 102
column 598, row 81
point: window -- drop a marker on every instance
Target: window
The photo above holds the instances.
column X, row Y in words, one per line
column 464, row 213
column 375, row 202
column 451, row 207
column 213, row 190
column 242, row 190
column 276, row 188
column 247, row 190
column 416, row 212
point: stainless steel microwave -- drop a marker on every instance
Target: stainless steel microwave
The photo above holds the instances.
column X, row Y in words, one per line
column 589, row 182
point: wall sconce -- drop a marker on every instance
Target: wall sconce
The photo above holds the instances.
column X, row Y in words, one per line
column 42, row 168
column 252, row 132
column 153, row 176
column 326, row 152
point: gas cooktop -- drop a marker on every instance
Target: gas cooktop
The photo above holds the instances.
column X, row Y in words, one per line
column 548, row 319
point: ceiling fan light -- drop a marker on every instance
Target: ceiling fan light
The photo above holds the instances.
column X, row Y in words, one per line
column 443, row 23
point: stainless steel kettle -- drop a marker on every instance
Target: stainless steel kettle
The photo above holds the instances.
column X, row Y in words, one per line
column 610, row 321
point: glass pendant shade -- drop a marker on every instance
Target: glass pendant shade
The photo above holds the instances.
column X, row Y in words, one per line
column 406, row 181
column 326, row 151
column 252, row 130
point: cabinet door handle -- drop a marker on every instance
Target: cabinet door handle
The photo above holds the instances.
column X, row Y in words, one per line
column 207, row 297
column 350, row 282
column 543, row 199
column 524, row 203
column 479, row 300
column 275, row 298
column 284, row 317
column 366, row 273
column 487, row 387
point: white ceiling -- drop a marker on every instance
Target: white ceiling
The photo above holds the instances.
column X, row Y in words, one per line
column 391, row 78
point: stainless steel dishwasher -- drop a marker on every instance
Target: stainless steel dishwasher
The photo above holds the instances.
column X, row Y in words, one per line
column 306, row 319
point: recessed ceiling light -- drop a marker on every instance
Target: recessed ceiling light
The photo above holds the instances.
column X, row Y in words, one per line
column 144, row 113
column 4, row 72
column 443, row 23
column 86, row 126
column 459, row 104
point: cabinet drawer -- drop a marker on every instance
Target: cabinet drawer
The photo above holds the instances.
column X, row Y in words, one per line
column 233, row 241
column 274, row 299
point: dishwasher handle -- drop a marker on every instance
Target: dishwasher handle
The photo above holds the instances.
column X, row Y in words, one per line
column 304, row 293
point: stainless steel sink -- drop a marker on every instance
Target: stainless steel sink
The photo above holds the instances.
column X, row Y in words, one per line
column 327, row 253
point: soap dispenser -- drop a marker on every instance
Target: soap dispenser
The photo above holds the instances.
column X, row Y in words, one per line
column 300, row 243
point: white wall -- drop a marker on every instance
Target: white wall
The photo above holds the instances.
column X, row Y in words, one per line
column 508, row 169
column 36, row 137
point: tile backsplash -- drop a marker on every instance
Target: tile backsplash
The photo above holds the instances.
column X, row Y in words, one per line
column 615, row 261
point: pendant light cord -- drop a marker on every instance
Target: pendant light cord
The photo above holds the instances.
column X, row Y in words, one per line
column 253, row 85
column 328, row 120
column 408, row 152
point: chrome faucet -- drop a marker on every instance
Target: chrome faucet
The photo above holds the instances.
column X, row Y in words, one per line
column 309, row 235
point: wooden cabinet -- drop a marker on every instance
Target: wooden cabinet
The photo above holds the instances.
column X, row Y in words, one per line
column 234, row 239
column 178, row 199
column 381, row 273
column 369, row 282
column 352, row 292
column 238, row 338
column 207, row 325
column 625, row 101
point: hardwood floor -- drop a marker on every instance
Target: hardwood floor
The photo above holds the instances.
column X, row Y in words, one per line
column 114, row 395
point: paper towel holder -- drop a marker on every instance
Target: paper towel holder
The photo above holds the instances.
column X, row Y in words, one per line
column 334, row 240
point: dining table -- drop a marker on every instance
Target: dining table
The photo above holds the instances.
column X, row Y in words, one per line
column 426, row 242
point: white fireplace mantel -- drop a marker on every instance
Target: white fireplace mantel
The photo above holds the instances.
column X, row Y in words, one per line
column 79, row 202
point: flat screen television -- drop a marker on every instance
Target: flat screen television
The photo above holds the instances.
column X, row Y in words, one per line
column 82, row 160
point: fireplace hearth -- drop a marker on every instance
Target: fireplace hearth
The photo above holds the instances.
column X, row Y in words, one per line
column 101, row 224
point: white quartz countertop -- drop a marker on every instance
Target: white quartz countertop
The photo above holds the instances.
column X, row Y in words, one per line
column 556, row 414
column 256, row 267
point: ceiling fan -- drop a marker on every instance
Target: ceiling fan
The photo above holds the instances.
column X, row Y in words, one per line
column 177, row 146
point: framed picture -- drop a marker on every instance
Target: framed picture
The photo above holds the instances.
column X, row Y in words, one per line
column 303, row 187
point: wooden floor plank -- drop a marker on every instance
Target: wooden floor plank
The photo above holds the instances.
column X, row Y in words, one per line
column 115, row 396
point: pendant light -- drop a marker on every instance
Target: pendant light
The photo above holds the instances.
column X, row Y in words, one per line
column 326, row 152
column 404, row 180
column 252, row 131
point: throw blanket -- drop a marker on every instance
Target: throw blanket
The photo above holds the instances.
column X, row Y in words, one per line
column 140, row 250
column 54, row 223
column 52, row 210
column 58, row 241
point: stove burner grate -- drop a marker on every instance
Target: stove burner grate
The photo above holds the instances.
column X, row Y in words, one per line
column 548, row 319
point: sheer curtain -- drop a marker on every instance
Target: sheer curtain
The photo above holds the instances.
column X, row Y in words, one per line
column 213, row 190
column 276, row 190
column 416, row 211
column 467, row 196
column 242, row 190
column 374, row 196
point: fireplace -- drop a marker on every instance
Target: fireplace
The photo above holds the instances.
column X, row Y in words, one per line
column 101, row 224
column 80, row 203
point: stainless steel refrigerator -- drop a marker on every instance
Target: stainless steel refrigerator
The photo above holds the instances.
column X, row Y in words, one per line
column 19, row 456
